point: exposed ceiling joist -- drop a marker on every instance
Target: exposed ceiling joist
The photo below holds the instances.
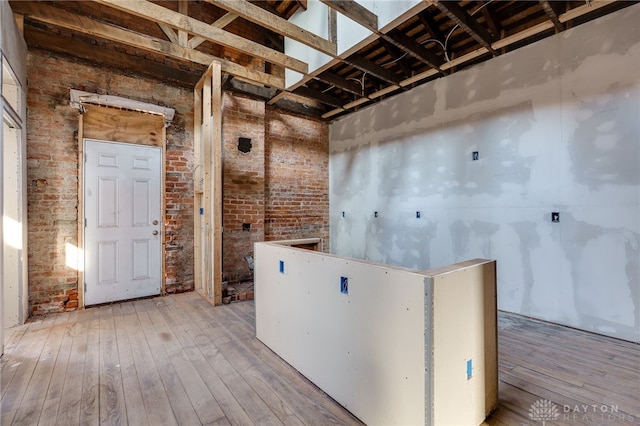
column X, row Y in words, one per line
column 318, row 96
column 151, row 11
column 456, row 13
column 356, row 12
column 414, row 49
column 222, row 22
column 373, row 69
column 349, row 86
column 429, row 24
column 491, row 21
column 55, row 16
column 398, row 56
column 259, row 16
column 551, row 13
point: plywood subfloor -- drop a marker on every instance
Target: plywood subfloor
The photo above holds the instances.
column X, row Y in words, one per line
column 177, row 360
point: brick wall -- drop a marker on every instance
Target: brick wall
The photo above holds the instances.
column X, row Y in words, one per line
column 279, row 189
column 297, row 172
column 52, row 173
column 244, row 183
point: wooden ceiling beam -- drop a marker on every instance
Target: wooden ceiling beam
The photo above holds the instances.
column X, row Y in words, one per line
column 259, row 16
column 414, row 49
column 456, row 13
column 551, row 13
column 430, row 25
column 397, row 57
column 349, row 86
column 55, row 16
column 491, row 20
column 373, row 69
column 222, row 22
column 78, row 48
column 151, row 11
column 355, row 12
column 318, row 96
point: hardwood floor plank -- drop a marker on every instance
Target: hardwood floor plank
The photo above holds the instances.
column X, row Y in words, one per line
column 203, row 402
column 54, row 392
column 132, row 394
column 112, row 405
column 178, row 360
column 229, row 368
column 198, row 348
column 71, row 396
column 25, row 366
column 156, row 400
column 34, row 397
column 90, row 401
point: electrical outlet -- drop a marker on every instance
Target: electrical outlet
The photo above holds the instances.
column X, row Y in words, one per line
column 417, row 215
column 475, row 156
column 555, row 217
column 344, row 285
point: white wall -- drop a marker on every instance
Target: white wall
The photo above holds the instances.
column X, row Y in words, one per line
column 557, row 127
column 13, row 204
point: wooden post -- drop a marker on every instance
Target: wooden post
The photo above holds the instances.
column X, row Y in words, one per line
column 208, row 137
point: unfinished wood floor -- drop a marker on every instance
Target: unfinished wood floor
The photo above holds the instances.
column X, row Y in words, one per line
column 177, row 360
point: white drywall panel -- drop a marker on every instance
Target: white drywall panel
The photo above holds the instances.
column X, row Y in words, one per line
column 556, row 128
column 464, row 338
column 364, row 348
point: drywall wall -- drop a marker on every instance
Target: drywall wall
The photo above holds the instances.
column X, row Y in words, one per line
column 392, row 345
column 462, row 344
column 556, row 126
column 303, row 316
column 13, row 265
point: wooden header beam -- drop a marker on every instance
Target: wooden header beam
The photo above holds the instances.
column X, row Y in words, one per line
column 52, row 15
column 355, row 12
column 153, row 12
column 259, row 16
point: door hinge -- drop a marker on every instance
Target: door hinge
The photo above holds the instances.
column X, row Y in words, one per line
column 85, row 287
column 85, row 222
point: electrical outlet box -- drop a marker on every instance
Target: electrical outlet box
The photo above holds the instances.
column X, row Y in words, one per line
column 344, row 285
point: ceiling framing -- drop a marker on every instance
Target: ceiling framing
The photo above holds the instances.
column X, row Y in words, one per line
column 175, row 41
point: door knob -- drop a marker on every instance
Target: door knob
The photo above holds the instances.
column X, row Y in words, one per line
column 155, row 222
column 155, row 232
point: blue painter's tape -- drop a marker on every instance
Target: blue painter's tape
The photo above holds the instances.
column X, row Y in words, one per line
column 469, row 368
column 201, row 211
column 282, row 266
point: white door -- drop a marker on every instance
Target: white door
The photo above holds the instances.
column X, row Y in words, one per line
column 123, row 226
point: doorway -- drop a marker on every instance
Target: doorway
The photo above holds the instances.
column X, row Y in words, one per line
column 122, row 198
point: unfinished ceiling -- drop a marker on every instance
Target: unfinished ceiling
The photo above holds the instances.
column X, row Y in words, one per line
column 176, row 40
